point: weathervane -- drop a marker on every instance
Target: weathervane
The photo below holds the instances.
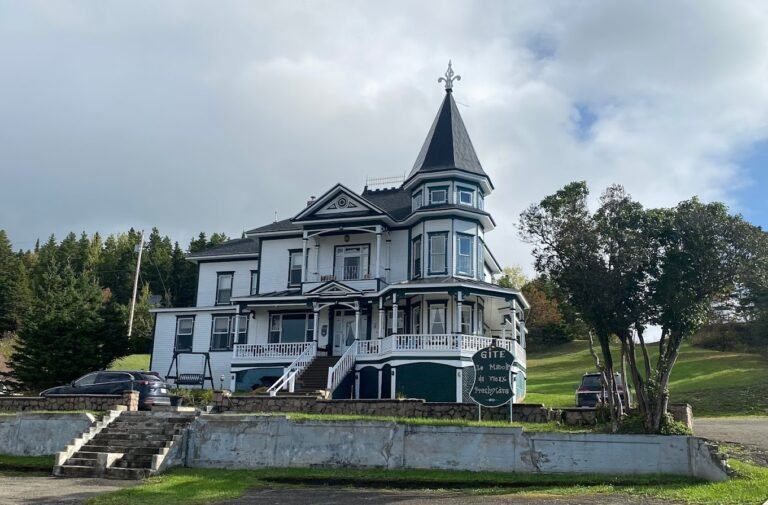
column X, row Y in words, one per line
column 449, row 78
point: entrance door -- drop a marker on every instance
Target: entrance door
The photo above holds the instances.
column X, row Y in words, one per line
column 344, row 330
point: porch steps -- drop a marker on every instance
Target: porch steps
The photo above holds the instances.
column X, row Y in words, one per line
column 133, row 446
column 315, row 377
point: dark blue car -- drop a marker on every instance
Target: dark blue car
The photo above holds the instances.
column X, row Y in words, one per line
column 152, row 390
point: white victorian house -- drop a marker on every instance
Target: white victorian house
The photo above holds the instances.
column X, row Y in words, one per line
column 382, row 294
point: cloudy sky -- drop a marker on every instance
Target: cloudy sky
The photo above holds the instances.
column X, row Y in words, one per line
column 214, row 116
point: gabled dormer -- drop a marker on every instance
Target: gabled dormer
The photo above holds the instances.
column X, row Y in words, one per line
column 339, row 202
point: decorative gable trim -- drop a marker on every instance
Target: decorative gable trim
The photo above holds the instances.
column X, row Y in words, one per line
column 333, row 288
column 337, row 202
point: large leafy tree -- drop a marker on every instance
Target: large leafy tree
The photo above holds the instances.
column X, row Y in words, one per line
column 624, row 267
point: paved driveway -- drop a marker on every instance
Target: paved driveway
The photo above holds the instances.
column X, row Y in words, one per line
column 743, row 431
column 52, row 491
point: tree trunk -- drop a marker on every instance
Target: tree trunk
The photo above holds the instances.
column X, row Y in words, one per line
column 664, row 372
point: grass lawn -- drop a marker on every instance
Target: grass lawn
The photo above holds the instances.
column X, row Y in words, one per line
column 18, row 465
column 197, row 486
column 131, row 362
column 714, row 383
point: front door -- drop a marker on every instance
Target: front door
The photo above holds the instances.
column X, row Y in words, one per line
column 344, row 330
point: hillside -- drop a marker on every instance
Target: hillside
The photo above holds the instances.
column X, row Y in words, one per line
column 714, row 383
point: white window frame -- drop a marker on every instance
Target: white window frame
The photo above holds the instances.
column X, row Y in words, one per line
column 417, row 201
column 416, row 255
column 309, row 327
column 294, row 266
column 466, row 191
column 191, row 334
column 465, row 258
column 219, row 277
column 443, row 308
column 431, row 267
column 437, row 189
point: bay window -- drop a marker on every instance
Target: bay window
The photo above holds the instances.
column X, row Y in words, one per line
column 464, row 253
column 438, row 253
column 416, row 257
column 437, row 324
column 438, row 195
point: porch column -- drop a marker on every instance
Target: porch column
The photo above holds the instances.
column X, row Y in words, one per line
column 304, row 257
column 381, row 317
column 515, row 333
column 378, row 251
column 357, row 322
column 378, row 389
column 394, row 313
column 236, row 329
column 459, row 299
column 317, row 321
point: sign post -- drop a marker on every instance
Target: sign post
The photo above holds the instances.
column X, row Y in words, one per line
column 493, row 386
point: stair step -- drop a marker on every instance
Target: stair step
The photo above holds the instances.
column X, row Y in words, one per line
column 76, row 471
column 85, row 455
column 127, row 473
column 81, row 462
column 124, row 450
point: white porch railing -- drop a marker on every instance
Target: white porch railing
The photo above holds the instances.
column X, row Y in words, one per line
column 271, row 350
column 437, row 343
column 342, row 367
column 293, row 370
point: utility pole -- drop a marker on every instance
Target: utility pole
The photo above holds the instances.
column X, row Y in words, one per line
column 135, row 284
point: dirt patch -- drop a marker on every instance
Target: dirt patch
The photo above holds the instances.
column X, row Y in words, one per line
column 52, row 491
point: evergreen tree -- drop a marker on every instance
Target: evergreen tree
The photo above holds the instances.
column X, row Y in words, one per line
column 14, row 288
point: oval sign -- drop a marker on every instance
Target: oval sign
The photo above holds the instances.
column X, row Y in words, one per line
column 493, row 383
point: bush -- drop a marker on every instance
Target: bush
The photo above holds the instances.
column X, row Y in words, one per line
column 632, row 424
column 195, row 397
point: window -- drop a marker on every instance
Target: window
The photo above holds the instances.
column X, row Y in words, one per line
column 437, row 319
column 294, row 268
column 416, row 254
column 466, row 196
column 223, row 332
column 416, row 319
column 254, row 282
column 466, row 319
column 224, row 288
column 418, row 200
column 438, row 195
column 437, row 253
column 291, row 328
column 400, row 321
column 480, row 260
column 184, row 329
column 464, row 252
column 351, row 263
column 86, row 380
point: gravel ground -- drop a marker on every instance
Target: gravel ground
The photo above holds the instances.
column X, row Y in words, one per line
column 27, row 490
column 336, row 496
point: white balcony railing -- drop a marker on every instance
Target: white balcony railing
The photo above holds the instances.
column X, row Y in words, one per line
column 258, row 351
column 449, row 343
column 345, row 273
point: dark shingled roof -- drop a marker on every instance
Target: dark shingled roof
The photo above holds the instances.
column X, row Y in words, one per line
column 395, row 201
column 284, row 225
column 234, row 247
column 447, row 145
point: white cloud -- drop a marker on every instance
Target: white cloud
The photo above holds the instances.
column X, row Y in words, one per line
column 193, row 116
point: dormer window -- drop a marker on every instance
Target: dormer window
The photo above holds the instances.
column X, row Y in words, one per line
column 438, row 195
column 465, row 196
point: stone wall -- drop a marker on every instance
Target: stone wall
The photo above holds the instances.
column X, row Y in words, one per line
column 98, row 403
column 39, row 434
column 532, row 413
column 242, row 441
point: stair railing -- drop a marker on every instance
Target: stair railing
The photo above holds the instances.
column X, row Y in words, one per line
column 293, row 370
column 342, row 367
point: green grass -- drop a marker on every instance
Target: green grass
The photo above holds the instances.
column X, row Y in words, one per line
column 14, row 465
column 131, row 362
column 197, row 486
column 714, row 383
column 421, row 421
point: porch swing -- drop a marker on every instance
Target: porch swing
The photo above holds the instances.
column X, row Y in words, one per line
column 191, row 379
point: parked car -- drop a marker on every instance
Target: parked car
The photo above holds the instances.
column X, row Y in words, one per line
column 152, row 389
column 591, row 393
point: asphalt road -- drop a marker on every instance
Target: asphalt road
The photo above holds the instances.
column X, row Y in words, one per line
column 25, row 490
column 742, row 431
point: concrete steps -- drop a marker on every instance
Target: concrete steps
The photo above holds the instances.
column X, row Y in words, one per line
column 133, row 445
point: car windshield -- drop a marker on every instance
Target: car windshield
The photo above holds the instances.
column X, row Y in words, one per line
column 590, row 381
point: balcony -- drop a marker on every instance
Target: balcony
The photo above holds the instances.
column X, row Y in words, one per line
column 353, row 276
column 448, row 345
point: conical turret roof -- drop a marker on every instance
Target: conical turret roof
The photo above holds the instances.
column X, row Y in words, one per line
column 447, row 145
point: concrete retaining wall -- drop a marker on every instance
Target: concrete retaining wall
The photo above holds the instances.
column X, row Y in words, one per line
column 225, row 441
column 31, row 434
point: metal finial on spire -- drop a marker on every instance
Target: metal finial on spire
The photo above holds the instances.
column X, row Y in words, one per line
column 449, row 78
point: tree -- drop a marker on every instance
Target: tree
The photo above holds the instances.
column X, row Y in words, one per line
column 14, row 288
column 512, row 278
column 544, row 322
column 624, row 267
column 75, row 328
